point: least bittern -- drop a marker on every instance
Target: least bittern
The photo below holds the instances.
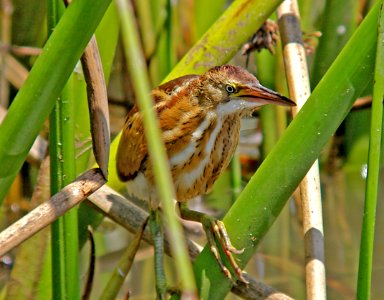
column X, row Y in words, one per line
column 199, row 119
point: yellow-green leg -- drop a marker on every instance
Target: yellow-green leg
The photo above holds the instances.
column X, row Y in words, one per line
column 158, row 243
column 215, row 229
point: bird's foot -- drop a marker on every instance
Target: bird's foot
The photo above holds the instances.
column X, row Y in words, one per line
column 216, row 231
column 217, row 238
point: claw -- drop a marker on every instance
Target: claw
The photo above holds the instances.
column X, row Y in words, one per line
column 228, row 248
column 225, row 238
column 215, row 231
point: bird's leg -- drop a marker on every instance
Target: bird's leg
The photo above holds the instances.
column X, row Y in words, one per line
column 158, row 243
column 215, row 229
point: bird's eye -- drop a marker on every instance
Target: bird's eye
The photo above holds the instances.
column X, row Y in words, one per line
column 230, row 89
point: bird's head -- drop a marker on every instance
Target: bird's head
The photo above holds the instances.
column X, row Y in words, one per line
column 237, row 87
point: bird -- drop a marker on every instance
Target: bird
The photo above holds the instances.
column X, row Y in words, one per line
column 199, row 117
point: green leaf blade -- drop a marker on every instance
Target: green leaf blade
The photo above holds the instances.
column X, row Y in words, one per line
column 267, row 192
column 35, row 100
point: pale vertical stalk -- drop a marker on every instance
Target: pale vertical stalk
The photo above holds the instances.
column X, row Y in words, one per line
column 299, row 88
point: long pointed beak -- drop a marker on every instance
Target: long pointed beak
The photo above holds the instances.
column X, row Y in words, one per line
column 261, row 94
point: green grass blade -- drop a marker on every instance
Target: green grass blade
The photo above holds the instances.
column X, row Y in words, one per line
column 371, row 190
column 36, row 98
column 156, row 148
column 338, row 25
column 263, row 198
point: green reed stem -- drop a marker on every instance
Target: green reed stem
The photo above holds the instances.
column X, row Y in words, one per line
column 36, row 98
column 55, row 10
column 65, row 245
column 371, row 190
column 235, row 168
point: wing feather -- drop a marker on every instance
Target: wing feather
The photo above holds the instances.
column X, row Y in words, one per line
column 132, row 148
column 132, row 151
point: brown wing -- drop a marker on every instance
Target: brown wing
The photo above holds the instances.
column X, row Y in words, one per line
column 132, row 148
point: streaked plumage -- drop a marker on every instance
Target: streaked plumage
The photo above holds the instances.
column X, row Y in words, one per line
column 200, row 123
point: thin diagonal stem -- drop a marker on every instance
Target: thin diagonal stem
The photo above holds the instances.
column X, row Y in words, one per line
column 163, row 179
